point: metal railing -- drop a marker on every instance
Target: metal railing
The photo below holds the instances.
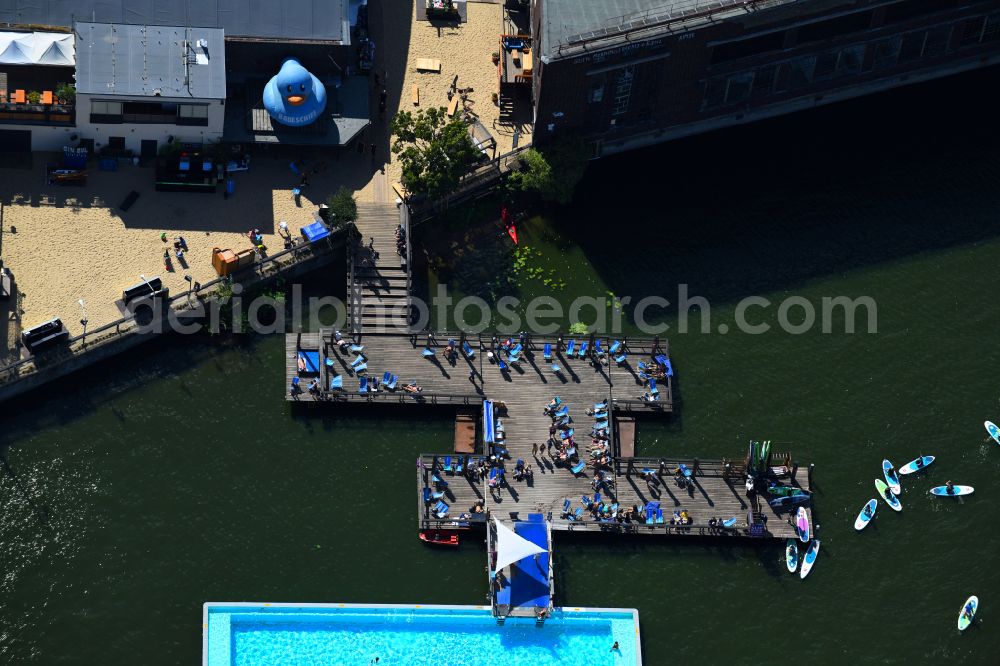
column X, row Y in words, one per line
column 262, row 270
column 471, row 184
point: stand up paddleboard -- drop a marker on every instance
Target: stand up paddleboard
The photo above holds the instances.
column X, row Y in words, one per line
column 785, row 502
column 916, row 465
column 993, row 430
column 802, row 525
column 810, row 557
column 785, row 491
column 942, row 491
column 791, row 555
column 968, row 612
column 866, row 515
column 889, row 472
column 892, row 500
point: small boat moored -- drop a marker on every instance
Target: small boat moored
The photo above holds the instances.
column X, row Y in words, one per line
column 439, row 537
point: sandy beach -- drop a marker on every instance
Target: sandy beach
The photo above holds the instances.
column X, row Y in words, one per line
column 64, row 243
column 464, row 49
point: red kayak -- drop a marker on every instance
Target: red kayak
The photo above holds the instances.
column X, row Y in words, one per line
column 439, row 537
column 508, row 223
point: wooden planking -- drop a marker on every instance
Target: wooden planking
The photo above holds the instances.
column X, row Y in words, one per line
column 625, row 427
column 465, row 431
column 461, row 494
column 525, row 392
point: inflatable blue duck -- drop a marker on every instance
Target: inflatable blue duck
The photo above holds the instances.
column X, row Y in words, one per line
column 294, row 96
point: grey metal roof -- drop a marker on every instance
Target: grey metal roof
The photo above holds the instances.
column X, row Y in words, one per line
column 150, row 61
column 568, row 22
column 324, row 20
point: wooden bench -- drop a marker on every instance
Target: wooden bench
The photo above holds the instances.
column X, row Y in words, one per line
column 428, row 65
column 416, row 95
column 453, row 104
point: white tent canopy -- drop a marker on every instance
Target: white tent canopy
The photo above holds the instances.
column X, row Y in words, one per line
column 511, row 547
column 37, row 48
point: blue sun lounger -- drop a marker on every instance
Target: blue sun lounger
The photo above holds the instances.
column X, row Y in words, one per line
column 597, row 348
column 562, row 411
column 446, row 467
column 358, row 360
column 427, row 352
column 328, row 362
column 514, row 358
column 363, row 385
column 357, row 349
column 621, row 359
column 652, row 386
column 460, row 464
column 469, row 353
column 566, row 507
column 583, row 348
column 361, row 368
column 615, row 346
column 578, row 514
column 570, row 347
column 516, row 351
column 556, row 369
column 391, row 384
column 579, row 467
column 659, row 516
column 386, row 376
column 501, row 365
column 585, row 500
column 601, row 404
column 438, row 481
column 441, row 509
column 431, row 495
column 547, row 351
column 337, row 383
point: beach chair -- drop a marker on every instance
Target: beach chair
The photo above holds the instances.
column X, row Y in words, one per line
column 357, row 349
column 579, row 467
column 566, row 434
column 621, row 359
column 295, row 381
column 516, row 351
column 328, row 362
column 583, row 348
column 460, row 464
column 547, row 351
column 361, row 369
column 438, row 481
column 337, row 383
column 432, row 495
column 571, row 347
column 391, row 384
column 514, row 359
column 562, row 411
column 652, row 387
column 597, row 348
column 503, row 366
column 386, row 376
column 669, row 368
column 566, row 508
column 358, row 360
column 469, row 353
column 441, row 509
column 659, row 516
column 578, row 514
column 585, row 500
column 446, row 467
column 427, row 352
column 556, row 369
column 615, row 346
column 363, row 385
column 599, row 405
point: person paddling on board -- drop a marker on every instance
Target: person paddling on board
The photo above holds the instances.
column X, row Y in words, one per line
column 949, row 487
column 887, row 494
column 920, row 461
column 967, row 611
column 867, row 511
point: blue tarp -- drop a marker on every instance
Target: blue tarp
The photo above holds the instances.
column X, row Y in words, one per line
column 315, row 232
column 489, row 428
column 529, row 584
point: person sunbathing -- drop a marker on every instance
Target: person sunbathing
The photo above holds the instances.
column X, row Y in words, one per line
column 412, row 388
column 302, row 364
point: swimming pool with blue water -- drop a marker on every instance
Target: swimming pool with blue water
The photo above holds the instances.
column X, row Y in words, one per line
column 255, row 634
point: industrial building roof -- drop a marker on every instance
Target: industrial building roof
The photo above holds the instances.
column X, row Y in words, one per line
column 150, row 61
column 567, row 23
column 287, row 20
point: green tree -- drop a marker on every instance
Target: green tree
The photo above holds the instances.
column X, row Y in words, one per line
column 343, row 207
column 554, row 170
column 434, row 151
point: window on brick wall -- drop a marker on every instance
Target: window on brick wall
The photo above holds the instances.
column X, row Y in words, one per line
column 887, row 52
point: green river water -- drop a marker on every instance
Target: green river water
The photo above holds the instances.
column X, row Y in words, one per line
column 176, row 474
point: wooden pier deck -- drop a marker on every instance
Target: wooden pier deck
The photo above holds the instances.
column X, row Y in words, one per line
column 713, row 493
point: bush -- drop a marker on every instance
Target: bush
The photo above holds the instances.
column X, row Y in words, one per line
column 578, row 328
column 66, row 92
column 343, row 207
column 34, row 97
column 567, row 156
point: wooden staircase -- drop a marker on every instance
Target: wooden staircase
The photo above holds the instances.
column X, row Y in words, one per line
column 378, row 291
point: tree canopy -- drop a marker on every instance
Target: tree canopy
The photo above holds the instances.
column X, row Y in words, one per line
column 435, row 151
column 552, row 170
